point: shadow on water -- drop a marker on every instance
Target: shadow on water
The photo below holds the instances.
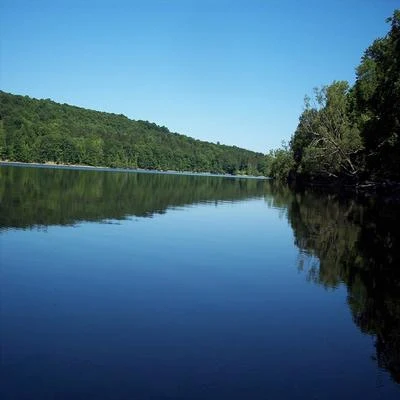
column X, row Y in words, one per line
column 355, row 243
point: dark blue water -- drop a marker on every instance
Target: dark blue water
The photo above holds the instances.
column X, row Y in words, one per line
column 119, row 286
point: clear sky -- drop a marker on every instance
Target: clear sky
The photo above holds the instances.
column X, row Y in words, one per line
column 217, row 70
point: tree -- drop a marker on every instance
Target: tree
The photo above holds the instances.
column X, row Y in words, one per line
column 327, row 142
column 42, row 130
column 303, row 135
column 280, row 163
column 3, row 148
column 377, row 93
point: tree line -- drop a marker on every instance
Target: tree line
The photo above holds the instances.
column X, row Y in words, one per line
column 346, row 133
column 42, row 131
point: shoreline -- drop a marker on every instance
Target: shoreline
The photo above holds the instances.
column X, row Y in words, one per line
column 386, row 191
column 51, row 164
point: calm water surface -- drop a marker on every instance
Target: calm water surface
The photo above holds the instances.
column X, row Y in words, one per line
column 138, row 286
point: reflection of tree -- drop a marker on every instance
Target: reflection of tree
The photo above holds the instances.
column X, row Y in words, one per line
column 323, row 230
column 45, row 196
column 341, row 240
column 379, row 313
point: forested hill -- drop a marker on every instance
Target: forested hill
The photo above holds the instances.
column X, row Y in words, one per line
column 41, row 131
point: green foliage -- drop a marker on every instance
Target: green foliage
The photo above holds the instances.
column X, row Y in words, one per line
column 327, row 141
column 377, row 91
column 2, row 141
column 43, row 131
column 351, row 134
column 303, row 135
column 280, row 163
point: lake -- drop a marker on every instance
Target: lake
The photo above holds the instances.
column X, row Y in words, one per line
column 123, row 285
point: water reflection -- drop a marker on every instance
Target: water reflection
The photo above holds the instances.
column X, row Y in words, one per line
column 39, row 197
column 344, row 241
column 341, row 241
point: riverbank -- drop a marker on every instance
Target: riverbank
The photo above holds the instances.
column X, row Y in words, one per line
column 51, row 164
column 385, row 190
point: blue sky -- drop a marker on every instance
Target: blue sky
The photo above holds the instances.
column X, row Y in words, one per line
column 228, row 71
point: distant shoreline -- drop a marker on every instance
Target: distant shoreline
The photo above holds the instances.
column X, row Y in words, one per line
column 51, row 164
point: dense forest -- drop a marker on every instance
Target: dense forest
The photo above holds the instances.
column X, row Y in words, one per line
column 44, row 131
column 346, row 134
column 350, row 134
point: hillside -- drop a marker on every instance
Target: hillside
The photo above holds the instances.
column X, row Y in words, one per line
column 33, row 130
